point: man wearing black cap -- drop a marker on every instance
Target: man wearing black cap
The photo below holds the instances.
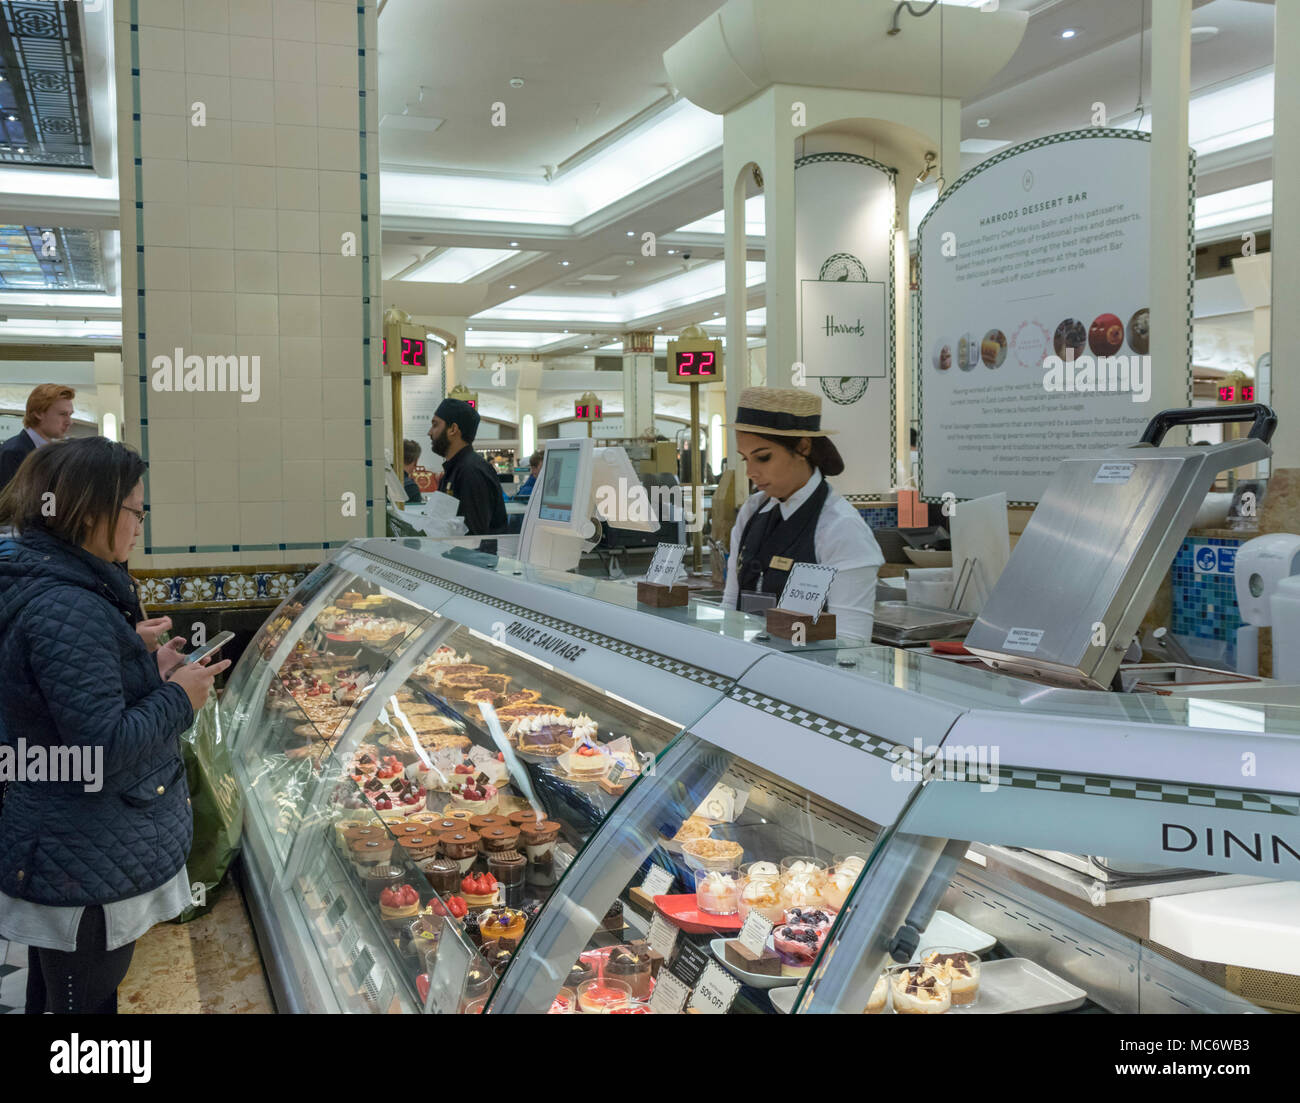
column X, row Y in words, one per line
column 466, row 475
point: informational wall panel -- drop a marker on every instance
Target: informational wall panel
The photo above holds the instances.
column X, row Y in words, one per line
column 1035, row 286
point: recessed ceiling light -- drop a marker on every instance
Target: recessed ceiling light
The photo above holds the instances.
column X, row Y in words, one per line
column 514, row 245
column 564, row 263
column 1204, row 34
column 630, row 262
column 13, row 118
column 566, row 331
column 671, row 252
column 513, row 286
column 1069, row 32
column 631, row 233
column 469, row 329
column 981, row 123
column 659, row 327
column 716, row 313
column 516, row 82
column 21, row 149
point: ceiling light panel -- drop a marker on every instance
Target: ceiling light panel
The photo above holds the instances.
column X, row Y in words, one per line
column 459, row 265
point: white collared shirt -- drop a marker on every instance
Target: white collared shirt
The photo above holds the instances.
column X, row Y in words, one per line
column 36, row 438
column 841, row 540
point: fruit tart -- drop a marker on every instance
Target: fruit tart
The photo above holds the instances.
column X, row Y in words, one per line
column 399, row 902
column 479, row 889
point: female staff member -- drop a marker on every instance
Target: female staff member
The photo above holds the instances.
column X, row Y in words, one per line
column 795, row 516
column 88, row 862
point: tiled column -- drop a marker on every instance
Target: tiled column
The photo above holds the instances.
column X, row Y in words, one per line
column 250, row 229
column 638, row 383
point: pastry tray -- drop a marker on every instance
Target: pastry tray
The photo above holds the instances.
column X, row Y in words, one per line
column 1018, row 986
column 680, row 910
column 909, row 622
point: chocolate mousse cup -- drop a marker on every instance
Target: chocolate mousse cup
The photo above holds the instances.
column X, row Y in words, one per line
column 460, row 846
column 494, row 840
column 508, row 867
column 443, row 874
column 538, row 839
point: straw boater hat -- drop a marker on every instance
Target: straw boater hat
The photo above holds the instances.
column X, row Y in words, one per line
column 781, row 412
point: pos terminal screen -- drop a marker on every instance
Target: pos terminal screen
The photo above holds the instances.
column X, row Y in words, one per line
column 558, row 479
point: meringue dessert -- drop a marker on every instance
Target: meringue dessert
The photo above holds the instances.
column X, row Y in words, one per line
column 920, row 990
column 717, row 892
column 959, row 968
column 879, row 996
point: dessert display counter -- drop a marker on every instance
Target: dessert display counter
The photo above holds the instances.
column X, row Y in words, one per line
column 477, row 786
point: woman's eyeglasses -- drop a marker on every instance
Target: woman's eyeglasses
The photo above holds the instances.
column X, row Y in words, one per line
column 138, row 513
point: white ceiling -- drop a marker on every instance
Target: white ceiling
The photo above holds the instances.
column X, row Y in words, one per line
column 587, row 66
column 596, row 116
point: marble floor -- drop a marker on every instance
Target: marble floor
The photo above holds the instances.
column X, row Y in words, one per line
column 209, row 966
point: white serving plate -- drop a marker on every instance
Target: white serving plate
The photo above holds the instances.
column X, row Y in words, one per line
column 783, row 998
column 754, row 980
column 946, row 929
column 1018, row 986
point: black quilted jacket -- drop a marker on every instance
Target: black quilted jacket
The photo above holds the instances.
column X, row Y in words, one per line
column 73, row 672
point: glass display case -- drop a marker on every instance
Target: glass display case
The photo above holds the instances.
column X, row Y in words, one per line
column 473, row 785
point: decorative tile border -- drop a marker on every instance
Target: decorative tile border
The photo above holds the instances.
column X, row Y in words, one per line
column 821, row 725
column 1204, row 604
column 1163, row 792
column 218, row 588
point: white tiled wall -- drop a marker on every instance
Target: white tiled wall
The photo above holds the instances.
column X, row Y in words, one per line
column 243, row 220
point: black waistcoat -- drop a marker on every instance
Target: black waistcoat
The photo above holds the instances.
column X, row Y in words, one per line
column 767, row 535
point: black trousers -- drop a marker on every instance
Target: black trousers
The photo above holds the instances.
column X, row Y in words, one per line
column 83, row 982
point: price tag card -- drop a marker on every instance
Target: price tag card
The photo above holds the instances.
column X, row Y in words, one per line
column 361, row 967
column 669, row 996
column 806, row 588
column 663, row 567
column 481, row 755
column 448, row 980
column 689, row 964
column 662, row 936
column 658, row 882
column 753, row 935
column 716, row 991
column 335, row 911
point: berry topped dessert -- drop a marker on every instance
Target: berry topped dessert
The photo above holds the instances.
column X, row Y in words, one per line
column 399, row 902
column 479, row 889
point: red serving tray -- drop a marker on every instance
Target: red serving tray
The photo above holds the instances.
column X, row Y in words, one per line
column 681, row 911
column 949, row 647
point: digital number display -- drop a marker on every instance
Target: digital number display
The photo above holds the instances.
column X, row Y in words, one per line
column 414, row 353
column 1247, row 392
column 1227, row 394
column 589, row 413
column 695, row 364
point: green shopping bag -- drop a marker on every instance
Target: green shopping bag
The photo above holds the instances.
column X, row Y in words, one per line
column 217, row 805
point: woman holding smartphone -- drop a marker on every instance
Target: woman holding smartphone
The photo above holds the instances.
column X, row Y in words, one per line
column 93, row 857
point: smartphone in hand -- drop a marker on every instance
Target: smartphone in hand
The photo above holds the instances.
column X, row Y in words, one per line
column 210, row 648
